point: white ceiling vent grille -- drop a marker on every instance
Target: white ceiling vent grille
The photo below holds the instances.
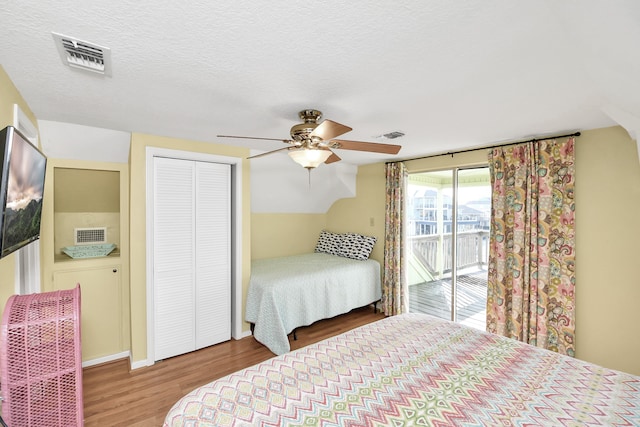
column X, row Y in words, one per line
column 393, row 135
column 84, row 55
column 390, row 135
column 90, row 236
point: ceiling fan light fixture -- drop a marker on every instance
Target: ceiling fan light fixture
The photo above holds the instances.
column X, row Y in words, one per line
column 309, row 157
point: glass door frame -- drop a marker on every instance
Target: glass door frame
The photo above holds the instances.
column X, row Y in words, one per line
column 453, row 174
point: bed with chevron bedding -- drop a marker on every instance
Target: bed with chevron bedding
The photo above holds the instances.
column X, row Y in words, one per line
column 415, row 370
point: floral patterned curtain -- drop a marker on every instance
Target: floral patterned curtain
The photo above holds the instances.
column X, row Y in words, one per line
column 394, row 283
column 531, row 280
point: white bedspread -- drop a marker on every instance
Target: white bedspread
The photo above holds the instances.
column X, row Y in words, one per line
column 288, row 292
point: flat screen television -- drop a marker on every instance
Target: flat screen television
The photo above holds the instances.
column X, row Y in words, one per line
column 22, row 174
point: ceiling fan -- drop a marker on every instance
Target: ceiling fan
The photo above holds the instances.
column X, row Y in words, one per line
column 312, row 143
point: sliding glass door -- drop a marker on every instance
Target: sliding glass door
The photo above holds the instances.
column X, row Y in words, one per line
column 448, row 214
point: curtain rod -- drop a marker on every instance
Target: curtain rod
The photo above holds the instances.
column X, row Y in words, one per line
column 451, row 153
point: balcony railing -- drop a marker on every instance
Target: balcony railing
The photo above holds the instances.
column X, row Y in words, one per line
column 434, row 251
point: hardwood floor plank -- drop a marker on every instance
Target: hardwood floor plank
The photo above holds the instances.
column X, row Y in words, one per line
column 115, row 396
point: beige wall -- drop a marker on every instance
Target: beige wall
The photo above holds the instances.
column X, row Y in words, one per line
column 363, row 214
column 291, row 234
column 139, row 143
column 9, row 96
column 275, row 235
column 607, row 232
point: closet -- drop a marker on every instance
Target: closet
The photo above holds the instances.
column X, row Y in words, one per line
column 191, row 255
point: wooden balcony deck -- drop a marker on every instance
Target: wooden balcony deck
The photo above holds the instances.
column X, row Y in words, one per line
column 435, row 298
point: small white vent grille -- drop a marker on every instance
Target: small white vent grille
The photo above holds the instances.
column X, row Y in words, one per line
column 90, row 236
column 84, row 55
column 393, row 135
column 390, row 135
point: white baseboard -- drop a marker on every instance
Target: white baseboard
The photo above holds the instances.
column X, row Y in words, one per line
column 110, row 358
column 139, row 364
column 147, row 362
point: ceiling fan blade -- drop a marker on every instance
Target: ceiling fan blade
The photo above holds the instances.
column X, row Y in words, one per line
column 287, row 141
column 365, row 146
column 329, row 129
column 332, row 158
column 269, row 152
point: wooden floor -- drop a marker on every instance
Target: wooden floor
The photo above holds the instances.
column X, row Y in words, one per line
column 435, row 298
column 115, row 396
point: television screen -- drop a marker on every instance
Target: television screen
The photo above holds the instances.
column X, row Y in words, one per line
column 21, row 190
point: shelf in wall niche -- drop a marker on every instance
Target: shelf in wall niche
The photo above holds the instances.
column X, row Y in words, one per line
column 63, row 258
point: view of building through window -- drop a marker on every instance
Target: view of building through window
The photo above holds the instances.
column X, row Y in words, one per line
column 435, row 286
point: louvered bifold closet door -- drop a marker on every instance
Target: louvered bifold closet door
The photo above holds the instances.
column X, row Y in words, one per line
column 213, row 253
column 173, row 255
column 191, row 287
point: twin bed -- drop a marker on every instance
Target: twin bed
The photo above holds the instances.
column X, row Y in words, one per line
column 289, row 292
column 414, row 369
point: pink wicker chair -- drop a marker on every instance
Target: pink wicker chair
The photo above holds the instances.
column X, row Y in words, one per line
column 40, row 360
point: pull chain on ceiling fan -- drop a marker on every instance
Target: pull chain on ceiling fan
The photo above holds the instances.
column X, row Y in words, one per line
column 312, row 143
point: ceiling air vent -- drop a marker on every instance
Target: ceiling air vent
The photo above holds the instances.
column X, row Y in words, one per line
column 391, row 135
column 83, row 55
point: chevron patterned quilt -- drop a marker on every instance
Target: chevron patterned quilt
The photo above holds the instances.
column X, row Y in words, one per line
column 415, row 370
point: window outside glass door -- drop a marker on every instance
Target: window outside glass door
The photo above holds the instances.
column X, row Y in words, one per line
column 448, row 218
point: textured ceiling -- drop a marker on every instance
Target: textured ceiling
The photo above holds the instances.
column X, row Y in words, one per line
column 450, row 75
